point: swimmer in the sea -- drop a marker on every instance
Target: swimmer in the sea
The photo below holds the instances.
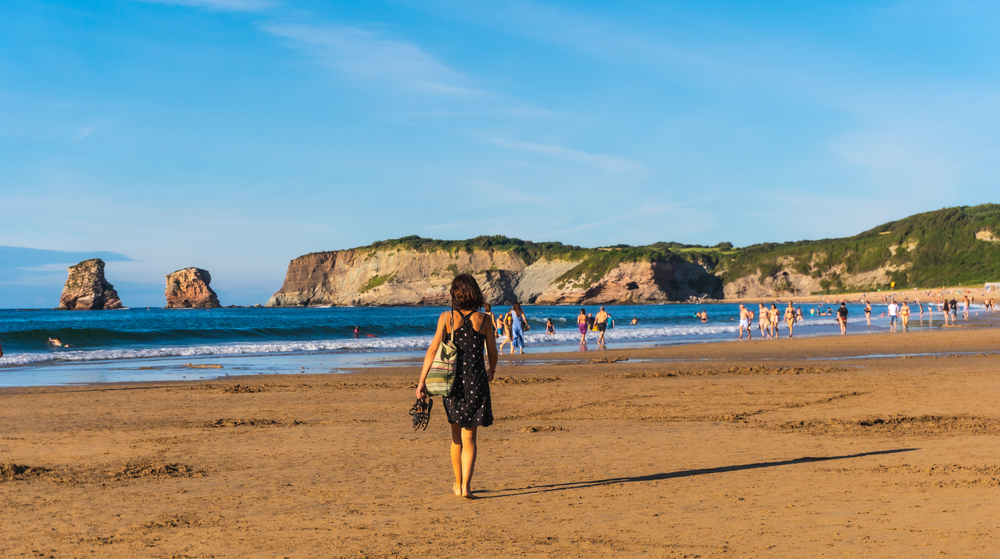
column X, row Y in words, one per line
column 56, row 342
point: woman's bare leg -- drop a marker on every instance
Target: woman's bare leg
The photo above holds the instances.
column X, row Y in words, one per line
column 468, row 460
column 456, row 457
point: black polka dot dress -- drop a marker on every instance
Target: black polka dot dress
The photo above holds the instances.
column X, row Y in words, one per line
column 469, row 404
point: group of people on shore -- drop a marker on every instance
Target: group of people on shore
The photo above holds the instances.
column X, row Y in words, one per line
column 768, row 320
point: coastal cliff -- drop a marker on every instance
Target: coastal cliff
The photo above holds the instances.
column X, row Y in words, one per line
column 413, row 272
column 943, row 247
column 189, row 289
column 86, row 288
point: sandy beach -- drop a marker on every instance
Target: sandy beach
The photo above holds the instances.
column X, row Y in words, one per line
column 788, row 448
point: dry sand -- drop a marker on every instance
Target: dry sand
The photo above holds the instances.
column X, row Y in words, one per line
column 709, row 450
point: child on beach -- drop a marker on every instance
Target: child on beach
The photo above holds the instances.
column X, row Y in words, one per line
column 469, row 407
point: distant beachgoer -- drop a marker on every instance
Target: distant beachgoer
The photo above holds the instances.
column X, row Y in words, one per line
column 550, row 328
column 745, row 322
column 601, row 321
column 775, row 319
column 357, row 331
column 868, row 312
column 470, row 405
column 581, row 323
column 591, row 322
column 488, row 311
column 954, row 310
column 893, row 315
column 56, row 342
column 965, row 307
column 946, row 309
column 763, row 321
column 518, row 323
column 904, row 316
column 798, row 314
column 842, row 318
column 703, row 315
column 508, row 336
column 635, row 320
column 790, row 318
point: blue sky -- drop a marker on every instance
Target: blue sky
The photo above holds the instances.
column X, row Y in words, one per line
column 235, row 135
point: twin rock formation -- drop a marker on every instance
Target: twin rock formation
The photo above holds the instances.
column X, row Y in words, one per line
column 87, row 289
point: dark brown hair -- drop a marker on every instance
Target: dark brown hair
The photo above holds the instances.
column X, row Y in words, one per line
column 465, row 293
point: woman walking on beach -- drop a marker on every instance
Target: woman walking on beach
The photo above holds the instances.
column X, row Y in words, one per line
column 517, row 327
column 469, row 407
column 581, row 323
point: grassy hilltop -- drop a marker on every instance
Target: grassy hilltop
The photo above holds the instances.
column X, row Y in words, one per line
column 924, row 250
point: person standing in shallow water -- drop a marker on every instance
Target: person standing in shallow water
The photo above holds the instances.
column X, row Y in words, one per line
column 518, row 325
column 581, row 324
column 469, row 407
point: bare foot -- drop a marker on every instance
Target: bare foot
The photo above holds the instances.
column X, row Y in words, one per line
column 458, row 489
column 469, row 495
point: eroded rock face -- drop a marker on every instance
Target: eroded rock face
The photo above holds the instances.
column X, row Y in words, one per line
column 86, row 289
column 408, row 277
column 189, row 289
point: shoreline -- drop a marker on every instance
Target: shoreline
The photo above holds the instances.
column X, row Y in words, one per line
column 164, row 368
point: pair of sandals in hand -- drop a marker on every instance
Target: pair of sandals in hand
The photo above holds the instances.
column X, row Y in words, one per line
column 421, row 413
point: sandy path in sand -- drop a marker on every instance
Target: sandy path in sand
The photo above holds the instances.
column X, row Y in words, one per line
column 755, row 450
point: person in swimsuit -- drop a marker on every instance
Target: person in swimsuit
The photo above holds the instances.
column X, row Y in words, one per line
column 508, row 336
column 842, row 318
column 904, row 316
column 601, row 321
column 703, row 315
column 469, row 407
column 868, row 312
column 581, row 323
column 790, row 318
column 763, row 321
column 798, row 314
column 965, row 307
column 518, row 323
column 550, row 328
column 745, row 322
column 635, row 321
column 775, row 320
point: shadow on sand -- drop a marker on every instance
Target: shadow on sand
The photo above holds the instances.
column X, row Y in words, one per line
column 671, row 475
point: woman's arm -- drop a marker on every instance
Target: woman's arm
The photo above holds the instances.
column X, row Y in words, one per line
column 429, row 358
column 491, row 349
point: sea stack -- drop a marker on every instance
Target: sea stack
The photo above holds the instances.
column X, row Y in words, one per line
column 87, row 290
column 188, row 289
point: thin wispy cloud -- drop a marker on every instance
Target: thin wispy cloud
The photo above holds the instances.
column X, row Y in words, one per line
column 608, row 163
column 82, row 134
column 371, row 57
column 221, row 5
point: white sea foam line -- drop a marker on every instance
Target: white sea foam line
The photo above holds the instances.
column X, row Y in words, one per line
column 565, row 335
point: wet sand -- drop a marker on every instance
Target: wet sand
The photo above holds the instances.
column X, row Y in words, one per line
column 787, row 448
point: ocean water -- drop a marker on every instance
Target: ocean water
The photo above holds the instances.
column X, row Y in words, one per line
column 151, row 344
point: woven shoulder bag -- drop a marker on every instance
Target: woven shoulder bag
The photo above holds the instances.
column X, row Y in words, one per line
column 440, row 379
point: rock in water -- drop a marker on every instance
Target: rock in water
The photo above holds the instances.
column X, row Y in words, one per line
column 87, row 290
column 188, row 289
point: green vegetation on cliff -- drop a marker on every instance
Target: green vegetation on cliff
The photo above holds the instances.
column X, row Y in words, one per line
column 924, row 250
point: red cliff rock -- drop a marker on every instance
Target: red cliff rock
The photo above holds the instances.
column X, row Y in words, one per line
column 188, row 289
column 87, row 290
